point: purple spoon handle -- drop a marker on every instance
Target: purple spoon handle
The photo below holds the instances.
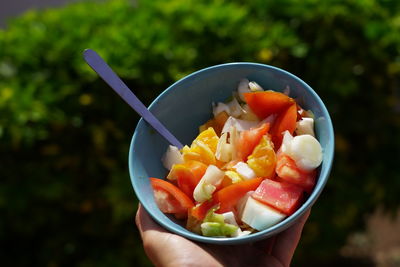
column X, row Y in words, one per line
column 108, row 75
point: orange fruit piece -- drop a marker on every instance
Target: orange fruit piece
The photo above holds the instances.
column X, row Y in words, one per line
column 203, row 148
column 263, row 158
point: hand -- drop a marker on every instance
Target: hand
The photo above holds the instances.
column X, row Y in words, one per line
column 167, row 249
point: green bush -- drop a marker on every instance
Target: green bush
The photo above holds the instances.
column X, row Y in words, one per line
column 65, row 193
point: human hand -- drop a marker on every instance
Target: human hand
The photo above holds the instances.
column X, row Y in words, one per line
column 167, row 249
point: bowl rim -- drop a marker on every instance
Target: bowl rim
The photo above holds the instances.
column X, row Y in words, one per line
column 289, row 220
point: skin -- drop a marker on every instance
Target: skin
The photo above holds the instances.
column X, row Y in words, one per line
column 166, row 249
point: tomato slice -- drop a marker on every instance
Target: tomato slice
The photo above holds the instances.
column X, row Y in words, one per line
column 266, row 103
column 283, row 196
column 187, row 175
column 286, row 121
column 288, row 171
column 228, row 196
column 169, row 198
column 200, row 211
column 249, row 139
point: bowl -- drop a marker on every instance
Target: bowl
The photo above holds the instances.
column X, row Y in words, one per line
column 186, row 104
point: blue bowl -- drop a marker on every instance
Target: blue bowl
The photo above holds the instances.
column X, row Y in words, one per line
column 186, row 104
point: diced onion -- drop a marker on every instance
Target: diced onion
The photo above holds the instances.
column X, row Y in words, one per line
column 248, row 114
column 305, row 126
column 254, row 87
column 220, row 107
column 244, row 171
column 240, row 125
column 243, row 87
column 229, row 217
column 235, row 108
column 172, row 156
column 224, row 150
column 207, row 184
column 232, row 108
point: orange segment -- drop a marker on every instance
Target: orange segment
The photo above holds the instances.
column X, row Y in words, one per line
column 209, row 138
column 263, row 158
column 203, row 148
column 206, row 154
column 188, row 154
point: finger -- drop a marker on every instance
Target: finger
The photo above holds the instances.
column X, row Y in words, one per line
column 153, row 236
column 287, row 241
column 138, row 219
column 163, row 248
column 144, row 222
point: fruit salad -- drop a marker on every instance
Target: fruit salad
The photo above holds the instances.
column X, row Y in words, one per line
column 252, row 165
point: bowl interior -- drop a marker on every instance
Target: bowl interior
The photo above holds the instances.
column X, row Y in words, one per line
column 185, row 105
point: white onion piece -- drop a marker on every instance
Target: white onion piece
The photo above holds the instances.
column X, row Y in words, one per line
column 243, row 87
column 286, row 143
column 244, row 171
column 224, row 150
column 254, row 87
column 207, row 184
column 240, row 125
column 229, row 217
column 220, row 107
column 232, row 108
column 233, row 139
column 248, row 114
column 235, row 108
column 305, row 126
column 172, row 156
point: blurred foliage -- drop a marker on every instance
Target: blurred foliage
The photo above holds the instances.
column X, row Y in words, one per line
column 65, row 193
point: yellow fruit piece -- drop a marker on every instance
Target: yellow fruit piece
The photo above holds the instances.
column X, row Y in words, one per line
column 263, row 158
column 203, row 148
column 206, row 155
column 209, row 138
column 188, row 154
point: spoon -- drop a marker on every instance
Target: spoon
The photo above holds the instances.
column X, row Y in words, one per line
column 111, row 78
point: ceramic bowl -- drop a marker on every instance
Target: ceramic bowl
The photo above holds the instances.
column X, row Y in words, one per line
column 186, row 104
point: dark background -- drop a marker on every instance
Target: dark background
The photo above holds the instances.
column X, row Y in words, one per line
column 65, row 193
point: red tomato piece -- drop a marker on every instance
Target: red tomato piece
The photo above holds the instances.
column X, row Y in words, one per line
column 249, row 139
column 286, row 121
column 200, row 211
column 265, row 103
column 288, row 171
column 169, row 198
column 228, row 196
column 282, row 196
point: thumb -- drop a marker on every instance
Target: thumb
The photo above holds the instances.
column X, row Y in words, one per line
column 144, row 222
